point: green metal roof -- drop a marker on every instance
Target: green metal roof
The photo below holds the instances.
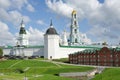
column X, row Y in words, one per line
column 81, row 47
column 35, row 46
column 7, row 47
column 91, row 50
column 117, row 49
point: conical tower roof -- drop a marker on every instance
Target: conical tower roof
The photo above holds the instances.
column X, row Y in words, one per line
column 51, row 30
column 22, row 28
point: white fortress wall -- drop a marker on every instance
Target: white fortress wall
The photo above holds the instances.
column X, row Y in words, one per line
column 24, row 51
column 34, row 52
column 65, row 51
column 6, row 51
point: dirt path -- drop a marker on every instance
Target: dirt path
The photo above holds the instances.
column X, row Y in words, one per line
column 14, row 64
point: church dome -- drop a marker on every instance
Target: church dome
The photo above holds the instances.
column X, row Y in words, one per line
column 51, row 30
column 74, row 12
column 22, row 30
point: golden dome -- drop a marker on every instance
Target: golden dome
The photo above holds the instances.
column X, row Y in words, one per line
column 74, row 12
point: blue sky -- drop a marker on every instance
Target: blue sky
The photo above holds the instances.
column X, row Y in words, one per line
column 101, row 1
column 98, row 20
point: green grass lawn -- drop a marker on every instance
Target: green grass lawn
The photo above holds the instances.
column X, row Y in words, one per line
column 36, row 70
column 109, row 74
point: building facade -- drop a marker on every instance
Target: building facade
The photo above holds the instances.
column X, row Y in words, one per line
column 99, row 57
column 52, row 47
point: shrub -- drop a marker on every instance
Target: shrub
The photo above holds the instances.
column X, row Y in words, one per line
column 1, row 52
column 19, row 71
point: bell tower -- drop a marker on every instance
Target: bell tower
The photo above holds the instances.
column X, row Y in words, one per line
column 23, row 37
column 74, row 29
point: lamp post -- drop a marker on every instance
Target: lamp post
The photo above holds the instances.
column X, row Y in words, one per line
column 25, row 78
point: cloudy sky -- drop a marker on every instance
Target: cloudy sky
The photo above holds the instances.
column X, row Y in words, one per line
column 98, row 19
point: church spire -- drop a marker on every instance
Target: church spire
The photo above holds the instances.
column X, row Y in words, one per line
column 51, row 24
column 22, row 29
column 22, row 23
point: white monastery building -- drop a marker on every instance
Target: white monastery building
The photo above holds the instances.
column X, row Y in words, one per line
column 52, row 47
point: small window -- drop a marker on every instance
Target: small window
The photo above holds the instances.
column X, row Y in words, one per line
column 75, row 22
column 74, row 15
column 75, row 30
column 76, row 41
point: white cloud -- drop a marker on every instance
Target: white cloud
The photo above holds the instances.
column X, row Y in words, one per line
column 106, row 17
column 41, row 22
column 65, row 8
column 11, row 10
column 30, row 8
column 35, row 36
column 16, row 17
column 99, row 15
column 59, row 7
column 85, row 39
column 10, row 13
column 5, row 4
column 5, row 36
column 12, row 16
column 18, row 4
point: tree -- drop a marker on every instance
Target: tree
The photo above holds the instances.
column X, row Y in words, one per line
column 1, row 52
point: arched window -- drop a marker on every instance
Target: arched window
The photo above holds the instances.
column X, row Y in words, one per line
column 75, row 30
column 75, row 22
column 76, row 41
column 74, row 15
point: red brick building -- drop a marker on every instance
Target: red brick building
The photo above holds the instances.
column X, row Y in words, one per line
column 100, row 57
